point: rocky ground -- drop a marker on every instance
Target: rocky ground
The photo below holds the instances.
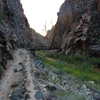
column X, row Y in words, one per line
column 27, row 78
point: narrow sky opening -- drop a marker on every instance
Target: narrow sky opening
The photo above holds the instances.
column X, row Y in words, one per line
column 41, row 14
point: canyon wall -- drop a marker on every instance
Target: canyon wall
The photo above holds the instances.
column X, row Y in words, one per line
column 77, row 30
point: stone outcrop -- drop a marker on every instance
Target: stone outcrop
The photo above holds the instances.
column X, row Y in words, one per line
column 77, row 30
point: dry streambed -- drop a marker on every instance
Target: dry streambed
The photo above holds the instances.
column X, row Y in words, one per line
column 28, row 79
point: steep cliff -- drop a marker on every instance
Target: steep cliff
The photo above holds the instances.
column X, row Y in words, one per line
column 14, row 29
column 77, row 30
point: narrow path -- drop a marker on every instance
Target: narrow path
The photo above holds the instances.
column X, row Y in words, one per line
column 28, row 79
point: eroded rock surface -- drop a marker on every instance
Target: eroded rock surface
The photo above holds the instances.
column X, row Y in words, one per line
column 77, row 29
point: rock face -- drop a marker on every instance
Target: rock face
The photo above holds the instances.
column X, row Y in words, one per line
column 14, row 23
column 14, row 29
column 78, row 27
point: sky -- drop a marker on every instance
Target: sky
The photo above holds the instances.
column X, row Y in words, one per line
column 41, row 14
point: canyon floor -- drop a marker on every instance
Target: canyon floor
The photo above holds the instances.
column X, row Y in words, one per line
column 28, row 78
